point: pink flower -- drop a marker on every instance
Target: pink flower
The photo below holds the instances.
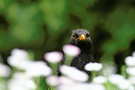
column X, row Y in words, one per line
column 71, row 50
column 53, row 57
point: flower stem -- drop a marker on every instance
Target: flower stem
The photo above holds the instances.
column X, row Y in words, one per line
column 54, row 67
column 68, row 60
column 123, row 71
column 93, row 75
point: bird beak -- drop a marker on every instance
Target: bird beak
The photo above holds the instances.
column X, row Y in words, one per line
column 82, row 37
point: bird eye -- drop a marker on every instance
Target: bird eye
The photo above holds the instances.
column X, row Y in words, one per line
column 75, row 35
column 87, row 35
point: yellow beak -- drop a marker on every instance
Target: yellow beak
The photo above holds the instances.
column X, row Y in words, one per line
column 82, row 37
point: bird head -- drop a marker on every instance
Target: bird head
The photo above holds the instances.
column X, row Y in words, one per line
column 80, row 38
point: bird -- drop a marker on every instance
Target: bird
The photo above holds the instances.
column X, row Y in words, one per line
column 81, row 39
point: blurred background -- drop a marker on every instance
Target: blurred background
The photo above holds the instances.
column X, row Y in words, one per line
column 40, row 26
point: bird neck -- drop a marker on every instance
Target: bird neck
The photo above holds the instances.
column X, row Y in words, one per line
column 86, row 50
column 85, row 47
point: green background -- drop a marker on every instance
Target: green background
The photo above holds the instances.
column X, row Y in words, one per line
column 46, row 25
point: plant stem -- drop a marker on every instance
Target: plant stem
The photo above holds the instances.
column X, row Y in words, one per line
column 68, row 60
column 93, row 75
column 54, row 67
column 123, row 71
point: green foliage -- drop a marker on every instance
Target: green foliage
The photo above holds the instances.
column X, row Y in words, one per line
column 46, row 25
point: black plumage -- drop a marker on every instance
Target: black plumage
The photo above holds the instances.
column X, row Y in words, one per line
column 81, row 38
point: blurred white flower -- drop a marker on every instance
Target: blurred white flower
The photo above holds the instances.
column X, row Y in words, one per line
column 19, row 53
column 132, row 79
column 93, row 66
column 55, row 80
column 21, row 84
column 130, row 61
column 100, row 80
column 81, row 86
column 108, row 69
column 131, row 88
column 65, row 80
column 4, row 70
column 20, row 75
column 131, row 71
column 52, row 80
column 19, row 64
column 116, row 79
column 124, row 84
column 71, row 50
column 74, row 73
column 37, row 69
column 19, row 59
column 53, row 57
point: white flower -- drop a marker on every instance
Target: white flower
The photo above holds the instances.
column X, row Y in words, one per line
column 74, row 73
column 132, row 79
column 65, row 80
column 81, row 86
column 19, row 59
column 131, row 88
column 116, row 79
column 100, row 80
column 21, row 84
column 124, row 84
column 52, row 80
column 37, row 69
column 55, row 80
column 18, row 63
column 108, row 69
column 53, row 57
column 130, row 61
column 93, row 66
column 131, row 71
column 4, row 70
column 19, row 53
column 71, row 50
column 20, row 75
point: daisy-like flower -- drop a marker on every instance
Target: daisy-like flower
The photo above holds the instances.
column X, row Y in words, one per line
column 100, row 80
column 19, row 59
column 71, row 50
column 21, row 84
column 93, row 66
column 131, row 71
column 115, row 79
column 55, row 80
column 52, row 80
column 19, row 53
column 131, row 88
column 4, row 70
column 65, row 80
column 130, row 61
column 37, row 69
column 20, row 75
column 74, row 73
column 108, row 69
column 124, row 84
column 81, row 86
column 53, row 57
column 132, row 79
